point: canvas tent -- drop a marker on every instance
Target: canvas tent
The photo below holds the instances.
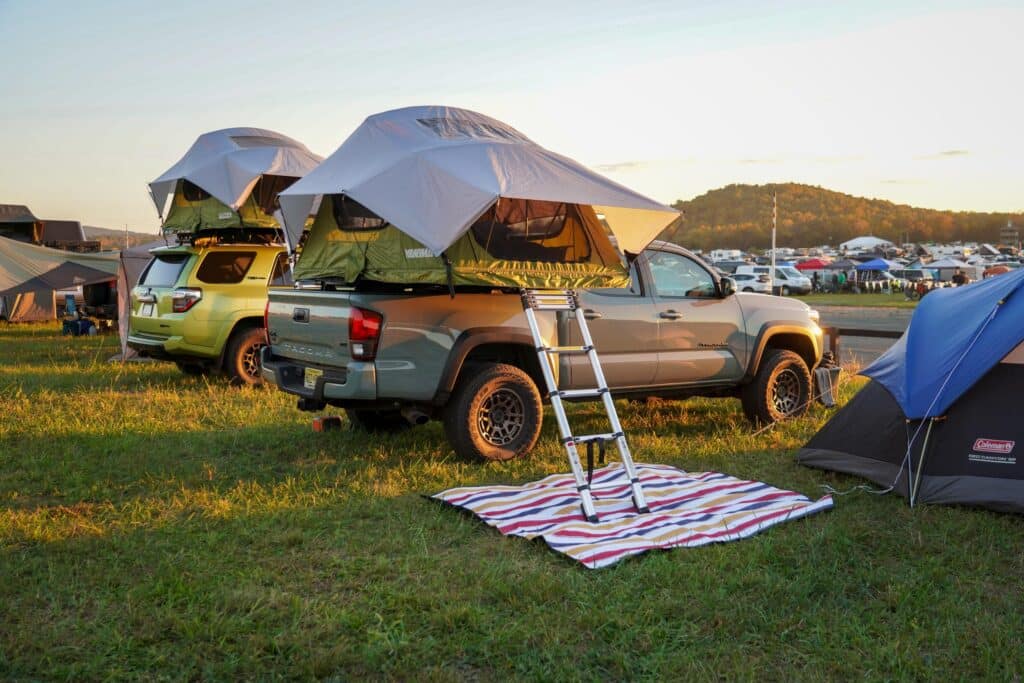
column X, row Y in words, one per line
column 17, row 222
column 443, row 195
column 230, row 178
column 29, row 274
column 131, row 263
column 940, row 420
column 877, row 264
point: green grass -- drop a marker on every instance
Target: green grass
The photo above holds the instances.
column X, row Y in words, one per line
column 896, row 300
column 156, row 526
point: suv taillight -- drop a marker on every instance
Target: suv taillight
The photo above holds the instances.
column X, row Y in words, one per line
column 363, row 333
column 184, row 299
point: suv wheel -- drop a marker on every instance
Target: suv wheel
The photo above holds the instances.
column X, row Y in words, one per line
column 495, row 413
column 377, row 421
column 242, row 362
column 781, row 389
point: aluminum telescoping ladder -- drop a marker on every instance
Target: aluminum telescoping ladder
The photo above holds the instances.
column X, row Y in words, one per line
column 568, row 300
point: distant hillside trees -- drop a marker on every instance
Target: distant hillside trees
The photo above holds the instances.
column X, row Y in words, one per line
column 740, row 217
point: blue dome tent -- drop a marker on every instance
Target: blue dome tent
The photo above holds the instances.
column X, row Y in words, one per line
column 940, row 420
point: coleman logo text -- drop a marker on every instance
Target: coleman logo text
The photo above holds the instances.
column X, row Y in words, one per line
column 993, row 446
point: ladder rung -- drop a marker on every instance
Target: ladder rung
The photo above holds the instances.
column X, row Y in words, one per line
column 554, row 307
column 566, row 349
column 580, row 393
column 597, row 437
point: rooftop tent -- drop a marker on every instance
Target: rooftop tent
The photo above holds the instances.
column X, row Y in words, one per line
column 515, row 243
column 436, row 173
column 230, row 178
column 940, row 419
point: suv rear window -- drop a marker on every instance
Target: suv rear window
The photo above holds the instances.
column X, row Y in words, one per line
column 163, row 270
column 225, row 267
column 282, row 275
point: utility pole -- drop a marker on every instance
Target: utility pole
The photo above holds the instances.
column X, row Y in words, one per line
column 775, row 221
column 126, row 237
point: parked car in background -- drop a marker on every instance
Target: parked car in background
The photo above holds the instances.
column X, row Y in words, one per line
column 788, row 280
column 730, row 267
column 751, row 282
column 201, row 306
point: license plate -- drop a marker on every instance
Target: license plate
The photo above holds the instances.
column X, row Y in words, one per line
column 310, row 376
column 147, row 310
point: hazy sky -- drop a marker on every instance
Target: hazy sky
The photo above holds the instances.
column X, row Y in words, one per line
column 917, row 102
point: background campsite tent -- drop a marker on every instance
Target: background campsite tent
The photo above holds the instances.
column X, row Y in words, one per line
column 437, row 174
column 944, row 269
column 29, row 274
column 18, row 223
column 131, row 263
column 940, row 422
column 877, row 264
column 230, row 178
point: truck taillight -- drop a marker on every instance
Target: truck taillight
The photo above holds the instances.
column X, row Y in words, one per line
column 266, row 321
column 184, row 299
column 363, row 333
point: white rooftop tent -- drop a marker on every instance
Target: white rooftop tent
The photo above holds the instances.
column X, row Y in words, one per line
column 432, row 171
column 227, row 163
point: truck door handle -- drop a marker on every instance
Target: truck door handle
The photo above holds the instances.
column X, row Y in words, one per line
column 300, row 315
column 591, row 314
column 670, row 314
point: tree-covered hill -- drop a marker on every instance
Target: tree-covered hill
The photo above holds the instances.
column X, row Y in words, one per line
column 740, row 217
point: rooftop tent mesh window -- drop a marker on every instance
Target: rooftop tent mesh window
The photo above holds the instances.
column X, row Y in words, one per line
column 529, row 230
column 192, row 192
column 265, row 192
column 353, row 216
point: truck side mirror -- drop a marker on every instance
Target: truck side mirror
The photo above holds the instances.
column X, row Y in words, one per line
column 728, row 286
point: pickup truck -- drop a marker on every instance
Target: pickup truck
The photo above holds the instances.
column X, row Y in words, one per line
column 393, row 356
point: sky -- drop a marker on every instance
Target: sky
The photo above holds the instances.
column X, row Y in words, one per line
column 919, row 103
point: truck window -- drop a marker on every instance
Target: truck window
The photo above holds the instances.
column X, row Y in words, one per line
column 163, row 270
column 677, row 276
column 225, row 267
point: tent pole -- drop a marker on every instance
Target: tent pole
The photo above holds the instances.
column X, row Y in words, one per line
column 920, row 461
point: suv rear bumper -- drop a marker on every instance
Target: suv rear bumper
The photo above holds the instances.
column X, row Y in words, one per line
column 169, row 348
column 356, row 383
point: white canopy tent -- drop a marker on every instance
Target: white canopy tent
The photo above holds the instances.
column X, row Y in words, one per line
column 432, row 171
column 227, row 163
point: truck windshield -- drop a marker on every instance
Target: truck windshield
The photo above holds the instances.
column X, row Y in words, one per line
column 163, row 270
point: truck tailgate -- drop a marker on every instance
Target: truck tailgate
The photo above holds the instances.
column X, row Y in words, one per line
column 309, row 326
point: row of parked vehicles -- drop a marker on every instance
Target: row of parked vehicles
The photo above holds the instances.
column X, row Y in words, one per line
column 371, row 320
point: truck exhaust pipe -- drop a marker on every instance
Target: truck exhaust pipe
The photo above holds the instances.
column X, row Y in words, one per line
column 414, row 416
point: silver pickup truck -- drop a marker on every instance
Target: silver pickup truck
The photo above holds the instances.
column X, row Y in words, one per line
column 393, row 356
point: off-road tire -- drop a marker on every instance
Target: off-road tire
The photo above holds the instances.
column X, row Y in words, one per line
column 494, row 414
column 193, row 369
column 377, row 421
column 242, row 360
column 780, row 390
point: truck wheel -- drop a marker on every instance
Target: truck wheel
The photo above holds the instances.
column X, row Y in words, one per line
column 781, row 389
column 242, row 361
column 495, row 413
column 377, row 421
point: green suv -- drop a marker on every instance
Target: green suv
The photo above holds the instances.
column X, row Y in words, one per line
column 201, row 305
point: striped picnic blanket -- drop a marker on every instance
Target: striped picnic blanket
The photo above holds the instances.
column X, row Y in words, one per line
column 688, row 509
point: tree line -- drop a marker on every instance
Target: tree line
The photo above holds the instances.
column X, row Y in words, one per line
column 740, row 217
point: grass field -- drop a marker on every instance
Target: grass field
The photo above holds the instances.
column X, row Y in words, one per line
column 871, row 300
column 155, row 526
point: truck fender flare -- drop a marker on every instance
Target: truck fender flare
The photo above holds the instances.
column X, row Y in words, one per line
column 464, row 345
column 764, row 336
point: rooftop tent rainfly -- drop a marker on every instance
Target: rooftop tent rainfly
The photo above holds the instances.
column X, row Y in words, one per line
column 424, row 192
column 230, row 178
